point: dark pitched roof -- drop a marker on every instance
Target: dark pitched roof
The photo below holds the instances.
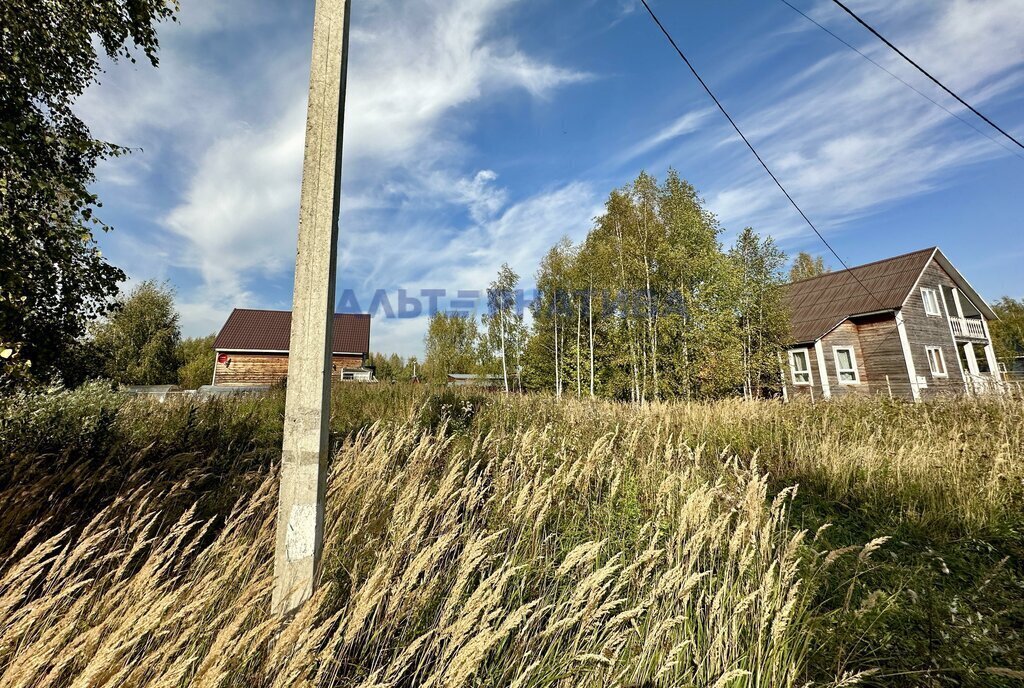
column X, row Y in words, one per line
column 819, row 304
column 259, row 330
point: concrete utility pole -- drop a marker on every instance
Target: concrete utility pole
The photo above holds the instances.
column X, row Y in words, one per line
column 300, row 516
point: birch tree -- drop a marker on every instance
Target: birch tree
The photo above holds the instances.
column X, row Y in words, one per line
column 550, row 317
column 650, row 306
column 806, row 266
column 761, row 313
column 451, row 346
column 504, row 323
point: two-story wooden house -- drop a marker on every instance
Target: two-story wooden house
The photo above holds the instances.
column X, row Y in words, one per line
column 909, row 326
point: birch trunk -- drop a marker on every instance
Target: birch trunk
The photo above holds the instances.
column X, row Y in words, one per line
column 579, row 346
column 590, row 318
column 504, row 359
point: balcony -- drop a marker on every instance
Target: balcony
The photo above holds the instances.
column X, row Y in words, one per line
column 968, row 328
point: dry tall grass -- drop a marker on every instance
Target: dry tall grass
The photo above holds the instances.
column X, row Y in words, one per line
column 540, row 545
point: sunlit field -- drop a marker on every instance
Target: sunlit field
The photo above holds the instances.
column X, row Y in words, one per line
column 478, row 540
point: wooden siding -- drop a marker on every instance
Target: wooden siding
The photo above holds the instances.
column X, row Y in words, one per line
column 339, row 362
column 884, row 365
column 925, row 330
column 880, row 361
column 846, row 335
column 812, row 391
column 267, row 369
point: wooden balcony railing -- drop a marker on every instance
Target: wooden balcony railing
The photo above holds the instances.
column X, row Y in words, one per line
column 968, row 328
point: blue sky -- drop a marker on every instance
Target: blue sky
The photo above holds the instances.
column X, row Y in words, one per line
column 480, row 131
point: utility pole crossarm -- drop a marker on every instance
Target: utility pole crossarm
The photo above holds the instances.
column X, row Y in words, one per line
column 300, row 518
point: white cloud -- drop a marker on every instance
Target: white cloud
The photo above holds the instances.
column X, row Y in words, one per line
column 480, row 195
column 687, row 124
column 415, row 63
column 847, row 140
column 467, row 259
column 415, row 68
column 239, row 212
column 519, row 237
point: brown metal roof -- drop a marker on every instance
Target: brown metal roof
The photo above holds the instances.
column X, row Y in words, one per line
column 820, row 303
column 259, row 330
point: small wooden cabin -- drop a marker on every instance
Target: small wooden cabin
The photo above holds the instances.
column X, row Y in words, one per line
column 252, row 347
column 911, row 327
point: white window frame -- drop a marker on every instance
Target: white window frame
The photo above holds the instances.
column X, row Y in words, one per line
column 839, row 368
column 942, row 359
column 927, row 292
column 794, row 372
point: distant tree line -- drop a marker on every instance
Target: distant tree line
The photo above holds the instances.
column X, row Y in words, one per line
column 649, row 306
column 394, row 368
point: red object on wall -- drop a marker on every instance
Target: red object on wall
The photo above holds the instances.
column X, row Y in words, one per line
column 222, row 358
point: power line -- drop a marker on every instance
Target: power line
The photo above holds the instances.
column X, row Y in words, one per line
column 900, row 79
column 925, row 72
column 754, row 151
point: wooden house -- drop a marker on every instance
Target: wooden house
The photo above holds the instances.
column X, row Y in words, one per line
column 252, row 347
column 911, row 327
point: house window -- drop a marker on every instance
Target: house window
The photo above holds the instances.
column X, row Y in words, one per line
column 936, row 361
column 846, row 365
column 800, row 364
column 931, row 302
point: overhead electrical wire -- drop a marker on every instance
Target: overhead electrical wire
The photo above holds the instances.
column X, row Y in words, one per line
column 895, row 76
column 925, row 72
column 754, row 151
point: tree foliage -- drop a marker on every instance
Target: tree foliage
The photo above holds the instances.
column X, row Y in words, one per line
column 806, row 266
column 504, row 331
column 649, row 306
column 138, row 343
column 545, row 350
column 1008, row 333
column 195, row 359
column 53, row 278
column 393, row 367
column 452, row 343
column 764, row 321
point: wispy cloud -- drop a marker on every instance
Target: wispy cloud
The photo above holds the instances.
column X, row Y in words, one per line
column 687, row 124
column 467, row 259
column 415, row 68
column 437, row 194
column 848, row 140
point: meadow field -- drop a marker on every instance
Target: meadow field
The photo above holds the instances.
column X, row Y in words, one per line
column 483, row 540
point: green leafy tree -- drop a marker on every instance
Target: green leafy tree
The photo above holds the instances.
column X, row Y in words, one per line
column 649, row 306
column 383, row 365
column 53, row 278
column 451, row 345
column 806, row 266
column 392, row 367
column 1008, row 333
column 764, row 322
column 505, row 332
column 195, row 361
column 138, row 343
column 545, row 351
column 702, row 329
